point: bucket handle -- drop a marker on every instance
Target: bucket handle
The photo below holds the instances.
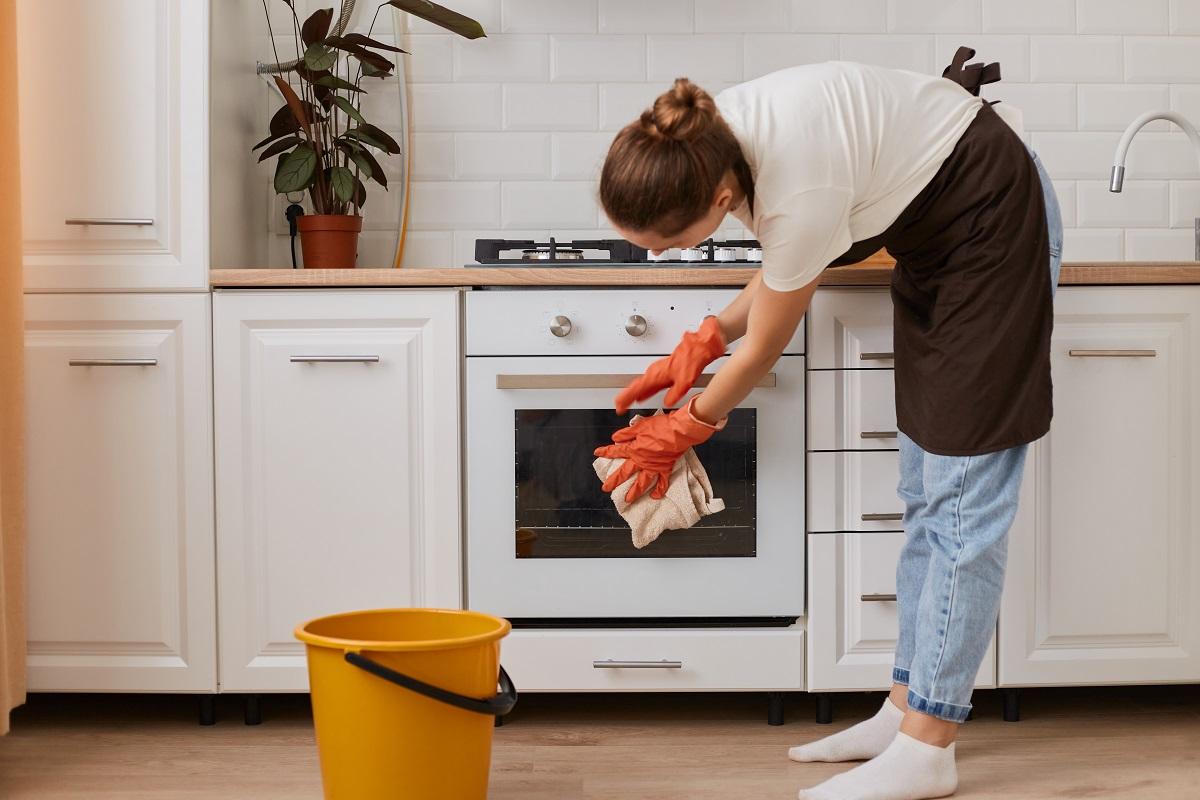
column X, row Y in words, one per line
column 497, row 706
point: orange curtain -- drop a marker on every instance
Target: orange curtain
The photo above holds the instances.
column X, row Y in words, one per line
column 12, row 418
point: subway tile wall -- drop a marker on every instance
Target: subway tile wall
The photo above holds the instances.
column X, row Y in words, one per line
column 509, row 131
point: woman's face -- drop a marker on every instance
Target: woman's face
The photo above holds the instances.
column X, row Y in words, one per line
column 693, row 234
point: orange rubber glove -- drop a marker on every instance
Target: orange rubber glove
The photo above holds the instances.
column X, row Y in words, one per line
column 695, row 351
column 650, row 447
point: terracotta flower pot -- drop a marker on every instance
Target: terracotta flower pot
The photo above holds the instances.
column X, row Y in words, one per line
column 329, row 241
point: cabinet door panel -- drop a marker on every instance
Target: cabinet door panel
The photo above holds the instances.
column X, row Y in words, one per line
column 113, row 111
column 120, row 545
column 1104, row 583
column 337, row 425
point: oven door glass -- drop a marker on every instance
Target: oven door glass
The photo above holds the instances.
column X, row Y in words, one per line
column 561, row 511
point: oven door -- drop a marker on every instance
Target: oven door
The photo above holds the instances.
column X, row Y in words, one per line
column 544, row 542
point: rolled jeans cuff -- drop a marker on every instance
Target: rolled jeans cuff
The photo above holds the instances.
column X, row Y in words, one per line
column 900, row 676
column 951, row 712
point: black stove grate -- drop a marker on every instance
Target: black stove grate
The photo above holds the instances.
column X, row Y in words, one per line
column 492, row 252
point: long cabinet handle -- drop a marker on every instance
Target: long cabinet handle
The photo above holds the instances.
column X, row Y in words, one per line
column 876, row 356
column 613, row 663
column 121, row 221
column 606, row 381
column 879, row 434
column 879, row 598
column 1112, row 353
column 882, row 517
column 113, row 362
column 334, row 359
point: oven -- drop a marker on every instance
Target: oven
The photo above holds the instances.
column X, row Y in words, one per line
column 544, row 544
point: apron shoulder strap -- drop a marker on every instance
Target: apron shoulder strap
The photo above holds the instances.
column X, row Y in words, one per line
column 970, row 76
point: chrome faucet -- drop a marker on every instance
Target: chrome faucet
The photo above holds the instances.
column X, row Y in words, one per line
column 1118, row 170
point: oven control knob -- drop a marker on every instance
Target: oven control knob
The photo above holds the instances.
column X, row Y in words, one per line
column 561, row 326
column 635, row 325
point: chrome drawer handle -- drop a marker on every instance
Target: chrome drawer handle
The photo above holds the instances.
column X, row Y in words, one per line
column 876, row 356
column 615, row 664
column 335, row 359
column 879, row 598
column 113, row 362
column 1112, row 353
column 606, row 381
column 882, row 517
column 879, row 434
column 108, row 221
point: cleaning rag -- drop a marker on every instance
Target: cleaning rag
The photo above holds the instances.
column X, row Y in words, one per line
column 689, row 498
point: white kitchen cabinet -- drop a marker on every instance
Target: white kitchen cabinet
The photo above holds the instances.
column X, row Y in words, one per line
column 1104, row 561
column 337, row 437
column 853, row 619
column 854, row 491
column 852, row 409
column 120, row 493
column 850, row 329
column 114, row 129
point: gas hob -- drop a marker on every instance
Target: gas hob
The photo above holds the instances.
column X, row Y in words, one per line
column 612, row 253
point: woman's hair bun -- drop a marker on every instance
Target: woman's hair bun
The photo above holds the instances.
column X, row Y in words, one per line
column 683, row 112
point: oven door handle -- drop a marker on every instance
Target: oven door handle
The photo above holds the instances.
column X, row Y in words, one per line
column 598, row 381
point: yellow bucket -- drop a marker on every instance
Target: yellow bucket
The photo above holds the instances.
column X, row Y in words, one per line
column 404, row 701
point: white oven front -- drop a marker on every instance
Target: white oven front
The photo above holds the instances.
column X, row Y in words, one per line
column 545, row 544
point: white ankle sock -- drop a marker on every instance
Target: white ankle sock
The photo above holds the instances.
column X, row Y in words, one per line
column 865, row 740
column 908, row 769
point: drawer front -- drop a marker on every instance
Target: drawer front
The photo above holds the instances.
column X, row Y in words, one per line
column 854, row 491
column 850, row 329
column 852, row 409
column 854, row 620
column 654, row 660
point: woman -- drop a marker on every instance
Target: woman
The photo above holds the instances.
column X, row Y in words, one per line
column 825, row 164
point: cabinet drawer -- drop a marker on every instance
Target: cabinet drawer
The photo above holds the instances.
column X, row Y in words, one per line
column 850, row 329
column 853, row 618
column 852, row 409
column 854, row 491
column 697, row 660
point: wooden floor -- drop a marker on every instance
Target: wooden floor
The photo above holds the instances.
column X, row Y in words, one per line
column 1139, row 743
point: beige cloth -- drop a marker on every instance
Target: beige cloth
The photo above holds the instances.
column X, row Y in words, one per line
column 689, row 498
column 12, row 418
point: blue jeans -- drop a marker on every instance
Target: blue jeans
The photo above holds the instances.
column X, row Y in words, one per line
column 958, row 510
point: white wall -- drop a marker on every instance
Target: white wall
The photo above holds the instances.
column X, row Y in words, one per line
column 509, row 131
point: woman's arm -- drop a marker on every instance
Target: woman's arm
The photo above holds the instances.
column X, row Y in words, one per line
column 733, row 317
column 771, row 321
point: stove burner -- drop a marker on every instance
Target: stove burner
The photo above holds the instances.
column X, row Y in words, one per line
column 616, row 252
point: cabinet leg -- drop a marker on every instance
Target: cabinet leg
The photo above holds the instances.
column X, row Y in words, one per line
column 1012, row 705
column 207, row 709
column 253, row 710
column 499, row 723
column 824, row 708
column 970, row 715
column 774, row 708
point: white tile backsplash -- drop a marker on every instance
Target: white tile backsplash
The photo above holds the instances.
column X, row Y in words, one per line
column 842, row 16
column 743, row 16
column 598, row 58
column 700, row 57
column 510, row 131
column 502, row 156
column 1078, row 59
column 1122, row 16
column 768, row 52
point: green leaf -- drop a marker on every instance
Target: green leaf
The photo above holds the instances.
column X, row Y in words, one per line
column 279, row 147
column 319, row 57
column 441, row 16
column 348, row 108
column 282, row 123
column 374, row 60
column 372, row 72
column 334, row 82
column 316, row 27
column 295, row 170
column 360, row 193
column 342, row 181
column 389, row 144
column 366, row 41
column 357, row 152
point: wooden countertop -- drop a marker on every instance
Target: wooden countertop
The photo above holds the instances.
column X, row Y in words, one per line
column 867, row 274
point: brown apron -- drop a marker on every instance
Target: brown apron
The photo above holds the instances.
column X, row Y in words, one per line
column 971, row 291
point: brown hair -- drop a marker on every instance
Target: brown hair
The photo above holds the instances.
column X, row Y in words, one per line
column 663, row 168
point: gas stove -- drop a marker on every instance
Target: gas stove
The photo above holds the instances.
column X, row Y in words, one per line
column 611, row 253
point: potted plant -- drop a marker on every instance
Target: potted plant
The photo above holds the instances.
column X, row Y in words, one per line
column 324, row 145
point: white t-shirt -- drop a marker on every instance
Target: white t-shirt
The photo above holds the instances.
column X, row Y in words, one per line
column 837, row 151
